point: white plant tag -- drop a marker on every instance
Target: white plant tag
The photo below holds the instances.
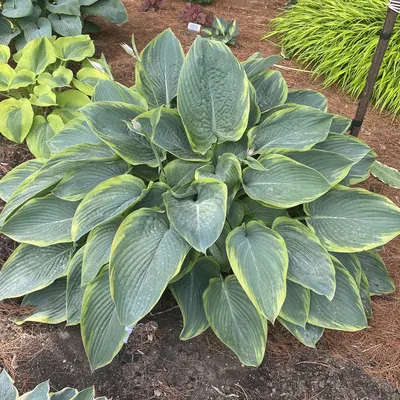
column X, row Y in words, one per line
column 128, row 330
column 194, row 27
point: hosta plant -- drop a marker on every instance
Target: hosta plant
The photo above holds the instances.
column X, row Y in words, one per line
column 26, row 20
column 213, row 180
column 222, row 31
column 42, row 92
column 42, row 391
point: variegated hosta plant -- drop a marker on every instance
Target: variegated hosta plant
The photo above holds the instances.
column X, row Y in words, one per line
column 42, row 93
column 209, row 178
column 42, row 392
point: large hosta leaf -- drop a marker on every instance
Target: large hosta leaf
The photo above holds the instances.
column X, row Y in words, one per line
column 32, row 268
column 345, row 311
column 308, row 335
column 112, row 10
column 261, row 273
column 42, row 222
column 75, row 48
column 199, row 214
column 310, row 264
column 218, row 249
column 102, row 333
column 38, row 136
column 294, row 127
column 178, row 173
column 386, row 174
column 107, row 200
column 22, row 78
column 6, row 76
column 235, row 320
column 146, row 253
column 36, row 30
column 360, row 171
column 7, row 389
column 213, row 95
column 188, row 292
column 296, row 307
column 70, row 101
column 351, row 262
column 256, row 65
column 16, row 8
column 68, row 7
column 307, row 97
column 158, row 69
column 350, row 220
column 285, row 183
column 254, row 210
column 66, row 25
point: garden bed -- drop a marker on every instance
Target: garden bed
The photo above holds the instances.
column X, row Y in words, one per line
column 155, row 364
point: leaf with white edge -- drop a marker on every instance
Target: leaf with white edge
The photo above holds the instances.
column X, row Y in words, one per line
column 254, row 210
column 285, row 183
column 65, row 394
column 295, row 127
column 188, row 292
column 49, row 306
column 36, row 30
column 37, row 55
column 85, row 394
column 340, row 124
column 351, row 262
column 307, row 97
column 5, row 54
column 102, row 332
column 255, row 66
column 42, row 222
column 41, row 392
column 158, row 69
column 213, row 95
column 107, row 200
column 111, row 10
column 22, row 78
column 38, row 136
column 386, row 174
column 178, row 173
column 10, row 182
column 377, row 275
column 58, row 78
column 98, row 248
column 310, row 265
column 146, row 253
column 16, row 119
column 345, row 311
column 262, row 274
column 235, row 320
column 7, row 389
column 70, row 101
column 107, row 120
column 271, row 89
column 199, row 214
column 351, row 220
column 6, row 75
column 296, row 306
column 75, row 292
column 365, row 294
column 66, row 25
column 309, row 335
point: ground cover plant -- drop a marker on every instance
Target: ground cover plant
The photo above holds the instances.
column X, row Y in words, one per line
column 46, row 88
column 195, row 13
column 222, row 31
column 337, row 39
column 24, row 20
column 209, row 178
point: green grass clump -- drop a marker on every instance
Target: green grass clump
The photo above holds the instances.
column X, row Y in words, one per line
column 338, row 38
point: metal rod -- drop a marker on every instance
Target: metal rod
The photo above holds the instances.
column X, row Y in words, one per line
column 374, row 71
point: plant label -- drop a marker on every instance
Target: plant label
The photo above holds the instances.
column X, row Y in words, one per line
column 194, row 27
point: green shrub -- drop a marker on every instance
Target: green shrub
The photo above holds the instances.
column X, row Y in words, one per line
column 39, row 98
column 338, row 38
column 210, row 178
column 221, row 31
column 25, row 20
column 42, row 391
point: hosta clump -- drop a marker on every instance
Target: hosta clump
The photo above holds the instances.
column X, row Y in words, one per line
column 209, row 178
column 42, row 391
column 25, row 20
column 222, row 31
column 42, row 93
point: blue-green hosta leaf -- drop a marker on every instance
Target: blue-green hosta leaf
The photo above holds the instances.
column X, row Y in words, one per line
column 309, row 335
column 108, row 90
column 239, row 149
column 256, row 66
column 85, row 394
column 259, row 212
column 386, row 174
column 309, row 263
column 271, row 89
column 152, row 197
column 340, row 124
column 98, row 248
column 68, row 7
column 37, row 55
column 351, row 262
column 360, row 171
column 107, row 200
column 10, row 182
column 42, row 222
column 307, row 97
column 16, row 119
column 261, row 272
column 32, row 268
column 38, row 136
column 16, row 8
column 111, row 10
column 255, row 112
column 377, row 275
column 285, row 183
column 102, row 333
column 87, row 79
column 6, row 75
column 49, row 306
column 188, row 292
column 235, row 320
column 158, row 70
column 36, row 30
column 213, row 95
column 65, row 394
column 78, row 182
column 296, row 306
column 32, row 17
column 58, row 78
column 41, row 391
column 146, row 253
column 218, row 249
column 178, row 173
column 295, row 127
column 187, row 265
column 345, row 311
column 107, row 120
column 8, row 31
column 199, row 214
column 236, row 214
column 350, row 220
column 5, row 55
column 21, row 79
column 75, row 48
column 66, row 25
column 70, row 101
column 75, row 291
column 7, row 389
column 333, row 166
column 365, row 294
